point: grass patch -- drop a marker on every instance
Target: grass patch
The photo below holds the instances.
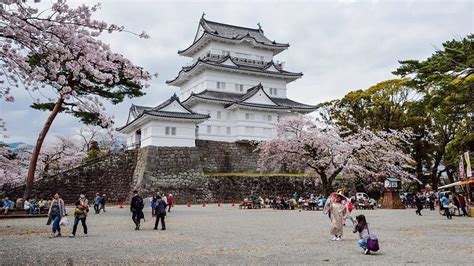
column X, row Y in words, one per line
column 259, row 174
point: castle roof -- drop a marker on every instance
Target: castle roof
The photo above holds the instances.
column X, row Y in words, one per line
column 165, row 110
column 232, row 64
column 236, row 99
column 211, row 30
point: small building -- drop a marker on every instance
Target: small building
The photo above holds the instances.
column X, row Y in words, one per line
column 232, row 90
column 168, row 124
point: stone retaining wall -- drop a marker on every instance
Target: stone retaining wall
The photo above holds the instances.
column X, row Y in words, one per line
column 177, row 170
column 228, row 157
column 111, row 175
column 229, row 188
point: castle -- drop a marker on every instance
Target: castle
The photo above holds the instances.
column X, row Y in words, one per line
column 232, row 90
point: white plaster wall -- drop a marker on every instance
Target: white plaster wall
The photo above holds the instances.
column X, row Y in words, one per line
column 185, row 134
column 237, row 121
column 234, row 49
column 209, row 78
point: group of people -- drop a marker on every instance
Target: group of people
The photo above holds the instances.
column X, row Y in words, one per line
column 291, row 202
column 449, row 204
column 31, row 205
column 338, row 208
column 57, row 213
column 99, row 202
column 159, row 203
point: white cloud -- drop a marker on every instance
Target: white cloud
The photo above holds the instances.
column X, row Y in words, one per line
column 339, row 46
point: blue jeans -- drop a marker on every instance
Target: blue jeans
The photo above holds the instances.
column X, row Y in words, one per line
column 56, row 227
column 363, row 243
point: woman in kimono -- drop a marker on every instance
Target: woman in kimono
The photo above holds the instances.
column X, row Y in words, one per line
column 336, row 208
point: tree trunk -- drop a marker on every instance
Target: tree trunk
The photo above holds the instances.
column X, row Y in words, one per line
column 327, row 186
column 39, row 143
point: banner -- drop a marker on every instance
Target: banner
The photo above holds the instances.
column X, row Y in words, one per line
column 468, row 164
column 461, row 169
column 462, row 174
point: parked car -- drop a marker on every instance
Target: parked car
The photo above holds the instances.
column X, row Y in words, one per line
column 361, row 196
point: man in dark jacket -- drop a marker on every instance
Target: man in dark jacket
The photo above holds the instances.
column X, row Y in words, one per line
column 103, row 200
column 136, row 207
column 160, row 212
column 419, row 205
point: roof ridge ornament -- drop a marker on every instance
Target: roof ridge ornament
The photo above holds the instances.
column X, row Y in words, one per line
column 203, row 14
column 259, row 27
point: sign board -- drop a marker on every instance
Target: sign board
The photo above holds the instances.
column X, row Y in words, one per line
column 392, row 183
column 461, row 169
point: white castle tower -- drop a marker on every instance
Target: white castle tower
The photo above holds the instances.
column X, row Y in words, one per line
column 232, row 90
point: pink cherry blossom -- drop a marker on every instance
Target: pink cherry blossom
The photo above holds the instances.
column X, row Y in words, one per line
column 301, row 145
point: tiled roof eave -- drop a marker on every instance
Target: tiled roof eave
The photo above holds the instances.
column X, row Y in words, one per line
column 146, row 116
column 282, row 75
column 259, row 105
column 189, row 51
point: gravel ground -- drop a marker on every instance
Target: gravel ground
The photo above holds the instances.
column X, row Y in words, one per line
column 227, row 235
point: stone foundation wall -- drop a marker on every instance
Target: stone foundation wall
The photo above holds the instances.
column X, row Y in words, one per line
column 229, row 188
column 177, row 170
column 110, row 175
column 227, row 157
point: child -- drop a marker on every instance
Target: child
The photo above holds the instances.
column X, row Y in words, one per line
column 363, row 230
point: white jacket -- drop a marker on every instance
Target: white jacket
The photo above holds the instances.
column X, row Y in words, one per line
column 26, row 205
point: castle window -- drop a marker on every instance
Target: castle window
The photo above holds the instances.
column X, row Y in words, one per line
column 269, row 118
column 218, row 130
column 220, row 85
column 228, row 130
column 218, row 115
column 273, row 91
column 170, row 131
column 239, row 87
column 249, row 116
column 209, row 130
column 228, row 115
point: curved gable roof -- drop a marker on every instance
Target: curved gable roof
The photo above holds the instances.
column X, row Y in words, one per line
column 232, row 33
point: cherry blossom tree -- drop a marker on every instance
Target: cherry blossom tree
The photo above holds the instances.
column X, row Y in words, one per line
column 13, row 165
column 61, row 154
column 58, row 50
column 300, row 145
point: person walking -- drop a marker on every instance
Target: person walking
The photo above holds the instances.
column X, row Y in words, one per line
column 164, row 198
column 97, row 201
column 418, row 204
column 169, row 201
column 160, row 212
column 445, row 204
column 80, row 214
column 153, row 204
column 462, row 204
column 432, row 201
column 136, row 207
column 56, row 212
column 457, row 204
column 103, row 200
column 337, row 211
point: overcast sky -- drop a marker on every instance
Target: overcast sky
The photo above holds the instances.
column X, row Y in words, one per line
column 339, row 45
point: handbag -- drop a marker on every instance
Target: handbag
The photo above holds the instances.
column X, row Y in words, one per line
column 64, row 221
column 372, row 242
